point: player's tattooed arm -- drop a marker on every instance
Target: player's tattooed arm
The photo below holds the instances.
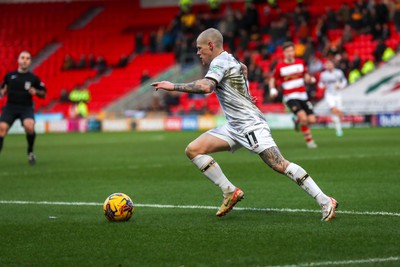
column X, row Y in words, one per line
column 203, row 86
column 273, row 157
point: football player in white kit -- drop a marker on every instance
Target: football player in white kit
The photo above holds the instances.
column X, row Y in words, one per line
column 333, row 80
column 246, row 126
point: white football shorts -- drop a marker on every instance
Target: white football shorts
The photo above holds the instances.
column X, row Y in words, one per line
column 334, row 101
column 255, row 141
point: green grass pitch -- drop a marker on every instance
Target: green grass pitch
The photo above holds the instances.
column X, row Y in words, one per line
column 361, row 170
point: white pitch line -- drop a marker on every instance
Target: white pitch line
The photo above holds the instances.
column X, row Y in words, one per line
column 348, row 262
column 161, row 206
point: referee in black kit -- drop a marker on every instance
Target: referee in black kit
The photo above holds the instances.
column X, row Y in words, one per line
column 20, row 86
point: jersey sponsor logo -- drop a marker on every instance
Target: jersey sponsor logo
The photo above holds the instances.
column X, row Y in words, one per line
column 215, row 68
column 292, row 69
column 13, row 77
column 27, row 85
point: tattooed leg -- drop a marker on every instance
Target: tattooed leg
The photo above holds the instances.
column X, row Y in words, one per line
column 273, row 157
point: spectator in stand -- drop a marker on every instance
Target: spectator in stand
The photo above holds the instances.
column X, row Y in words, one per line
column 299, row 49
column 101, row 65
column 332, row 49
column 331, row 19
column 123, row 61
column 354, row 75
column 377, row 32
column 367, row 67
column 153, row 42
column 357, row 19
column 92, row 61
column 185, row 5
column 214, row 6
column 159, row 39
column 69, row 63
column 156, row 104
column 297, row 17
column 145, row 76
column 264, row 51
column 139, row 43
column 238, row 16
column 171, row 99
column 244, row 40
column 168, row 41
column 188, row 21
column 385, row 31
column 379, row 50
column 347, row 35
column 382, row 12
column 321, row 29
column 255, row 73
column 309, row 49
column 247, row 58
column 303, row 31
column 356, row 64
column 64, row 95
column 344, row 14
column 278, row 31
column 255, row 34
column 343, row 63
column 368, row 21
column 315, row 65
column 228, row 27
column 300, row 13
column 79, row 97
column 250, row 17
column 388, row 54
column 82, row 62
column 396, row 16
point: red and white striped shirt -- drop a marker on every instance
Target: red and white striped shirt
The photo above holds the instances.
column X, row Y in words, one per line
column 291, row 78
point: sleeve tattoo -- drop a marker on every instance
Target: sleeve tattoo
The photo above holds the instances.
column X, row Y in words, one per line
column 273, row 157
column 202, row 86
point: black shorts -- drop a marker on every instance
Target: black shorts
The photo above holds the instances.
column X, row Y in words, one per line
column 296, row 105
column 12, row 112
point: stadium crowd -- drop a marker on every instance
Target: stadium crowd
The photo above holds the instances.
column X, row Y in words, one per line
column 254, row 36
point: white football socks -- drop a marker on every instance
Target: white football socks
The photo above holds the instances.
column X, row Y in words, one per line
column 300, row 176
column 338, row 124
column 210, row 168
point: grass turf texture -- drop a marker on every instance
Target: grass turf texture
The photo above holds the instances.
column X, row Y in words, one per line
column 361, row 170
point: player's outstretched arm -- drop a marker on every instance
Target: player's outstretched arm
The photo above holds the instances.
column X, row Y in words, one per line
column 203, row 86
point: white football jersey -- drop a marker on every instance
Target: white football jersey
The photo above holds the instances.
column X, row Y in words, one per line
column 333, row 81
column 233, row 94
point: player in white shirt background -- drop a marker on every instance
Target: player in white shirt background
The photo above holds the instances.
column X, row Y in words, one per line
column 246, row 126
column 333, row 80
